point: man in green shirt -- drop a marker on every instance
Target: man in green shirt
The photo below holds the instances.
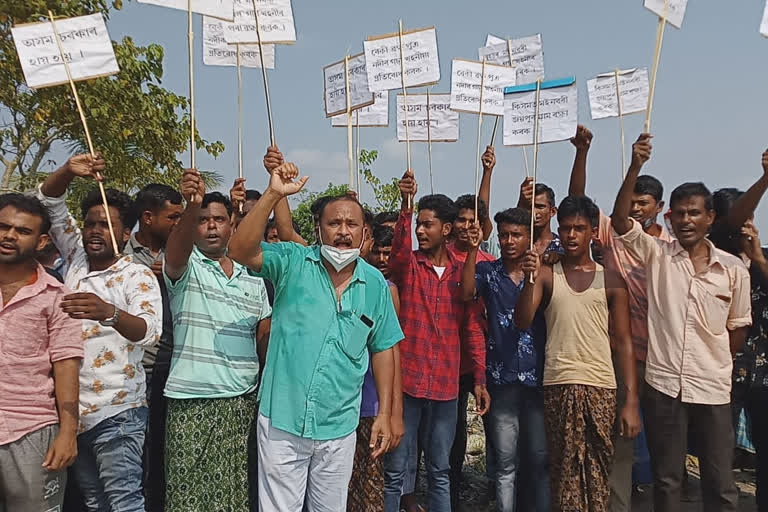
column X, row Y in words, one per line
column 331, row 310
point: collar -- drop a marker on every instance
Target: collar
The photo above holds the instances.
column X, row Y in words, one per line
column 237, row 268
column 313, row 254
column 714, row 258
column 43, row 281
column 117, row 266
column 423, row 259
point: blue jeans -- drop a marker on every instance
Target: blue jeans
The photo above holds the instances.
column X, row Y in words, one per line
column 518, row 432
column 438, row 427
column 108, row 466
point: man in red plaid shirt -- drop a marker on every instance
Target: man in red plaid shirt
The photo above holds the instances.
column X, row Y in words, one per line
column 436, row 323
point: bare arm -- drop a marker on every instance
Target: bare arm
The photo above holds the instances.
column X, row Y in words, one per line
column 736, row 337
column 56, row 184
column 283, row 219
column 489, row 162
column 533, row 293
column 582, row 141
column 383, row 364
column 66, row 386
column 468, row 285
column 181, row 242
column 744, row 207
column 641, row 152
column 262, row 340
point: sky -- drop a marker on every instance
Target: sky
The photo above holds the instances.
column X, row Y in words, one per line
column 710, row 119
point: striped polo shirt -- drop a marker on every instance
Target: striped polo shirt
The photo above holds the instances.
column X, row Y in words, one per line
column 214, row 328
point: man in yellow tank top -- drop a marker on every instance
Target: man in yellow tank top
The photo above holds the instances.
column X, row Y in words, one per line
column 579, row 301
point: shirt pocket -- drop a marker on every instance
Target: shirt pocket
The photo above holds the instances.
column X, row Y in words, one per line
column 356, row 341
column 714, row 311
column 25, row 335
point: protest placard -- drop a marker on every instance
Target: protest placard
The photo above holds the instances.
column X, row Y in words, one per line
column 492, row 39
column 443, row 122
column 558, row 112
column 764, row 23
column 632, row 85
column 335, row 91
column 421, row 63
column 376, row 115
column 466, row 79
column 216, row 51
column 222, row 9
column 527, row 56
column 86, row 45
column 673, row 9
column 275, row 22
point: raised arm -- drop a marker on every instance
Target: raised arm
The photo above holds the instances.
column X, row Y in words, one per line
column 582, row 140
column 181, row 242
column 533, row 293
column 283, row 219
column 489, row 162
column 468, row 288
column 744, row 207
column 641, row 152
column 401, row 242
column 245, row 245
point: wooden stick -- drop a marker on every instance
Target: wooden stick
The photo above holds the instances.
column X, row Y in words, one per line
column 350, row 158
column 87, row 133
column 479, row 135
column 509, row 50
column 192, row 124
column 264, row 76
column 429, row 147
column 535, row 159
column 493, row 135
column 359, row 154
column 621, row 127
column 655, row 70
column 405, row 102
column 239, row 122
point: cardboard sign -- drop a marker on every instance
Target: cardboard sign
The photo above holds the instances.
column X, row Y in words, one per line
column 376, row 115
column 442, row 121
column 382, row 56
column 87, row 49
column 275, row 22
column 335, row 90
column 216, row 51
column 675, row 10
column 764, row 23
column 466, row 78
column 527, row 56
column 222, row 9
column 633, row 86
column 558, row 112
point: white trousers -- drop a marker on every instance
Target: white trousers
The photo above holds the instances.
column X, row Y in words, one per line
column 294, row 470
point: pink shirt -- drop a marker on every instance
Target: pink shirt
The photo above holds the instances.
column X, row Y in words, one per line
column 616, row 257
column 34, row 334
column 690, row 315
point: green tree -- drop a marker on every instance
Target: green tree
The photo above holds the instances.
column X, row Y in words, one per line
column 139, row 126
column 387, row 194
column 302, row 214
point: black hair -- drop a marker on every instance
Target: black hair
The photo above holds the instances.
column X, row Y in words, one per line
column 650, row 186
column 467, row 202
column 383, row 236
column 723, row 199
column 691, row 189
column 271, row 224
column 721, row 235
column 518, row 216
column 217, row 197
column 583, row 206
column 322, row 205
column 544, row 189
column 153, row 197
column 444, row 208
column 252, row 195
column 116, row 199
column 30, row 205
column 318, row 205
column 382, row 217
column 368, row 217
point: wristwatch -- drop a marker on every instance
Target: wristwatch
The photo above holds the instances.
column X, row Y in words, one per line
column 111, row 322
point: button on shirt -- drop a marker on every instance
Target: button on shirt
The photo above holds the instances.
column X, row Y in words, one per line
column 34, row 334
column 112, row 378
column 513, row 355
column 215, row 319
column 691, row 313
column 319, row 346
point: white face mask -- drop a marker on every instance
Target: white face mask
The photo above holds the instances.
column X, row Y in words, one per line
column 339, row 258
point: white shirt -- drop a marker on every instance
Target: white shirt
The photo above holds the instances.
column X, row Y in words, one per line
column 112, row 377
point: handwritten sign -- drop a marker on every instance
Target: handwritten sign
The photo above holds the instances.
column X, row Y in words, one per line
column 633, row 86
column 443, row 122
column 87, row 49
column 492, row 39
column 382, row 56
column 764, row 23
column 335, row 92
column 222, row 9
column 675, row 10
column 466, row 78
column 558, row 112
column 216, row 51
column 275, row 22
column 376, row 115
column 527, row 56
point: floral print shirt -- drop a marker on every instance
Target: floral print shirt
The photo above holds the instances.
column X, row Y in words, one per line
column 112, row 378
column 750, row 366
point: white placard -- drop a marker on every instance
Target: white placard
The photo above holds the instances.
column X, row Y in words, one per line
column 216, row 51
column 443, row 122
column 86, row 47
column 558, row 115
column 335, row 91
column 675, row 10
column 275, row 22
column 222, row 9
column 527, row 57
column 375, row 115
column 422, row 66
column 466, row 78
column 633, row 86
column 764, row 23
column 492, row 39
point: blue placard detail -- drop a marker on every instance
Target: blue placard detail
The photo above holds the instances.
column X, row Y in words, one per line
column 550, row 84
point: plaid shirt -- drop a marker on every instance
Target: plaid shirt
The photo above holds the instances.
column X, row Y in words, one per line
column 435, row 320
